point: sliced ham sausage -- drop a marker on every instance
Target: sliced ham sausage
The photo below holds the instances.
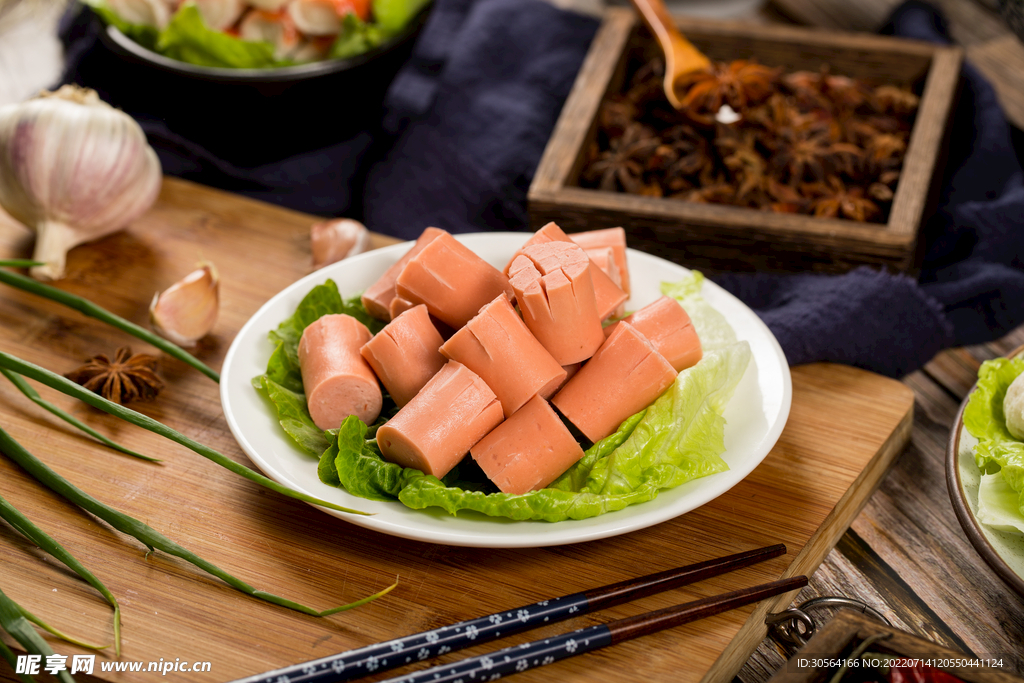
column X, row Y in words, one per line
column 610, row 296
column 337, row 380
column 498, row 346
column 624, row 376
column 610, row 238
column 451, row 280
column 433, row 432
column 378, row 296
column 669, row 329
column 553, row 286
column 405, row 354
column 527, row 451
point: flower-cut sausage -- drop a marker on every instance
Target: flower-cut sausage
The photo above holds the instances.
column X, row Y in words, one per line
column 669, row 329
column 451, row 280
column 498, row 346
column 610, row 238
column 624, row 376
column 405, row 354
column 555, row 292
column 604, row 259
column 609, row 295
column 338, row 382
column 378, row 297
column 527, row 451
column 434, row 430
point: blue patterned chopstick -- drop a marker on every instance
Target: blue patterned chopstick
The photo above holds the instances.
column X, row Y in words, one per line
column 421, row 646
column 512, row 660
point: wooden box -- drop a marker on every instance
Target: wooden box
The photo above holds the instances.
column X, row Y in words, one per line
column 717, row 237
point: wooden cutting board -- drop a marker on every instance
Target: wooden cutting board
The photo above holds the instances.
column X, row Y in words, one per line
column 845, row 428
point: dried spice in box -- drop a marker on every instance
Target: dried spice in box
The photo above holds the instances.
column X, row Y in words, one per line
column 802, row 142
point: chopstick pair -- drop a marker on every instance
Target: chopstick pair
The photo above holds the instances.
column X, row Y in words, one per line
column 391, row 654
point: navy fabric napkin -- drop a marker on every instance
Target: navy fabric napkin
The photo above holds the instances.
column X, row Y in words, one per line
column 464, row 125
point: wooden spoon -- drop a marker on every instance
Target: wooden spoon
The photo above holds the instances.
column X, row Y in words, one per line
column 681, row 57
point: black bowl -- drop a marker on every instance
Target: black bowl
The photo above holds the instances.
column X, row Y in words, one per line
column 249, row 116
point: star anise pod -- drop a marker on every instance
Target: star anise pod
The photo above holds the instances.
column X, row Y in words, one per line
column 743, row 159
column 622, row 164
column 615, row 115
column 718, row 192
column 806, row 87
column 780, row 113
column 693, row 153
column 127, row 378
column 845, row 92
column 892, row 99
column 833, row 199
column 784, row 198
column 739, row 84
column 813, row 157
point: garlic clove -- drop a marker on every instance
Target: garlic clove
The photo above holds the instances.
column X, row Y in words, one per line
column 185, row 312
column 331, row 241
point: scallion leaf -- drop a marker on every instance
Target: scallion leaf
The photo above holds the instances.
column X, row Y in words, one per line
column 90, row 309
column 66, row 386
column 53, row 631
column 151, row 538
column 29, row 530
column 32, row 395
column 12, row 620
column 11, row 659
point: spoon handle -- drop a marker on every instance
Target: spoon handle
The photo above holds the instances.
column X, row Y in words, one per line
column 681, row 57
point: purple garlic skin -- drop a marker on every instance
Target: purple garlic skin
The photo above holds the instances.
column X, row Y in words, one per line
column 334, row 240
column 73, row 169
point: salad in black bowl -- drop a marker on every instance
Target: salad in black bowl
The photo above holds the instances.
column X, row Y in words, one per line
column 252, row 81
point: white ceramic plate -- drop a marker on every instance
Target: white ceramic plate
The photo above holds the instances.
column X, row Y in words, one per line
column 755, row 416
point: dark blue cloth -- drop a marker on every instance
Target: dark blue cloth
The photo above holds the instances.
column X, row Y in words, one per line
column 971, row 283
column 462, row 128
column 466, row 120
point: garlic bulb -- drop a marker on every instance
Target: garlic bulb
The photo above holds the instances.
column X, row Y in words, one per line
column 185, row 312
column 74, row 169
column 334, row 240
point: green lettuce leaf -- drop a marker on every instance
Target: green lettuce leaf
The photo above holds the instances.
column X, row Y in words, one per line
column 146, row 36
column 999, row 505
column 187, row 38
column 356, row 37
column 997, row 450
column 294, row 416
column 393, row 15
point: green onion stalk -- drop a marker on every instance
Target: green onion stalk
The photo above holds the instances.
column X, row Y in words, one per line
column 11, row 659
column 152, row 539
column 90, row 309
column 14, row 622
column 66, row 386
column 26, row 528
column 19, row 382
